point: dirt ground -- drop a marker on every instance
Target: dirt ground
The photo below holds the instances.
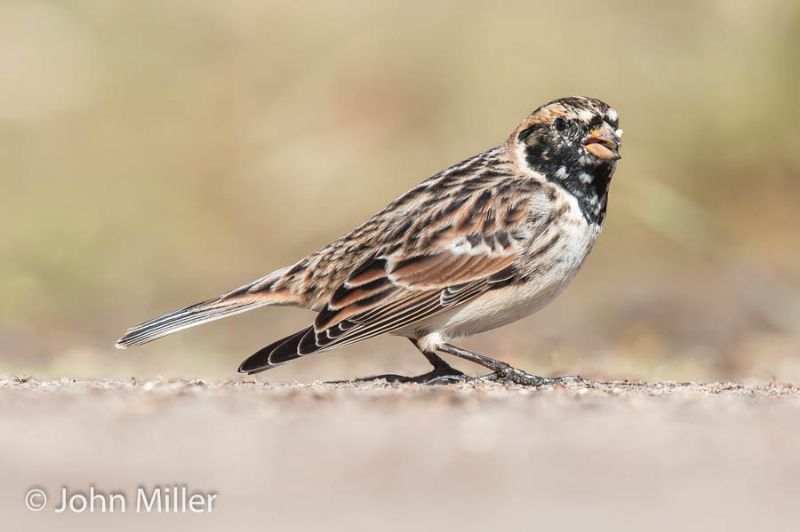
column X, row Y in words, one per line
column 600, row 456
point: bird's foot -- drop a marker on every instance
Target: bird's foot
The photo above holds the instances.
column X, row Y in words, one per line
column 510, row 374
column 442, row 375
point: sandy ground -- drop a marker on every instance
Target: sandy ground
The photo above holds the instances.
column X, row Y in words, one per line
column 600, row 456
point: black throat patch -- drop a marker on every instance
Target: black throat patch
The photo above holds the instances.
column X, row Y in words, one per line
column 586, row 178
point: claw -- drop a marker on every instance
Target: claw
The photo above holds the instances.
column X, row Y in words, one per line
column 513, row 375
column 437, row 376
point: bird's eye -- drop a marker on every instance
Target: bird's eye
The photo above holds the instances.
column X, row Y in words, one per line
column 560, row 124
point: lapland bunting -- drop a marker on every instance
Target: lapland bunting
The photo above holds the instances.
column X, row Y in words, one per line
column 481, row 244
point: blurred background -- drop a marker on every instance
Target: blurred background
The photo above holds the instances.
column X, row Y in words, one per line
column 153, row 154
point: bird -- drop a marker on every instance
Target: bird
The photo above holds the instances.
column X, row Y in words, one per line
column 481, row 244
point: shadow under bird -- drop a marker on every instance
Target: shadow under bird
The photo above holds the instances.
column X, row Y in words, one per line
column 483, row 243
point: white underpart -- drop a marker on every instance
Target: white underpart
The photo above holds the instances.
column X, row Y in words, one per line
column 431, row 342
column 505, row 305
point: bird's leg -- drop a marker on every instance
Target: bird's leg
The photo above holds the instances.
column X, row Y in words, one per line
column 502, row 371
column 442, row 372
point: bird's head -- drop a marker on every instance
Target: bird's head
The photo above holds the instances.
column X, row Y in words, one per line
column 574, row 143
column 577, row 134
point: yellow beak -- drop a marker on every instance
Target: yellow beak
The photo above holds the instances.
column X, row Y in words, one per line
column 603, row 143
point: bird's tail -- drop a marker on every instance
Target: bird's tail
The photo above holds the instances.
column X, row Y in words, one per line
column 253, row 295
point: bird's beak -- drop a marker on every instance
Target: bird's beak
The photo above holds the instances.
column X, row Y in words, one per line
column 603, row 143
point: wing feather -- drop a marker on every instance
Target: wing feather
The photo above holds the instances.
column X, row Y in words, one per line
column 453, row 249
column 479, row 239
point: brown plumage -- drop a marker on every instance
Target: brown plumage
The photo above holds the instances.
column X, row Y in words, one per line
column 482, row 243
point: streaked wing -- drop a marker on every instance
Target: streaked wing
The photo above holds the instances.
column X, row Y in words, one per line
column 394, row 308
column 473, row 249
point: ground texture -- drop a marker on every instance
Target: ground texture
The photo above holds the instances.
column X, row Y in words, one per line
column 596, row 455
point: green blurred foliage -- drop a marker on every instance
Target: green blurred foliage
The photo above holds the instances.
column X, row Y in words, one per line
column 157, row 153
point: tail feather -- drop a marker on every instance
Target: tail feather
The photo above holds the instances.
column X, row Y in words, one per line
column 246, row 298
column 204, row 312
